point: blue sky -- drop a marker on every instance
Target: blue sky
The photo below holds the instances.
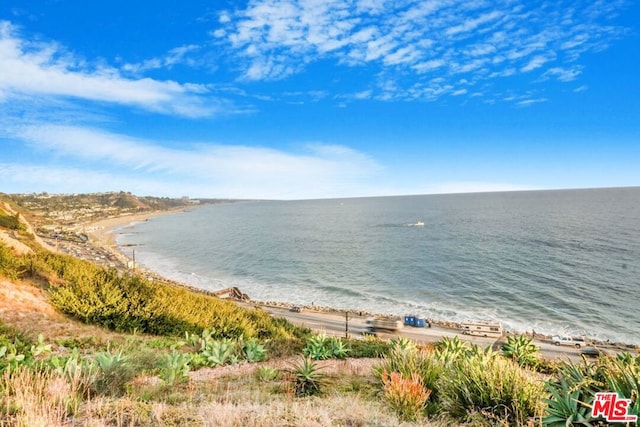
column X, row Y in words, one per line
column 291, row 99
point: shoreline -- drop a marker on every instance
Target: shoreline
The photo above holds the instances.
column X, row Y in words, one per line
column 103, row 234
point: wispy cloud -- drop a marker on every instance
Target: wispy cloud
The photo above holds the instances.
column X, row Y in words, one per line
column 309, row 170
column 46, row 69
column 435, row 42
column 175, row 56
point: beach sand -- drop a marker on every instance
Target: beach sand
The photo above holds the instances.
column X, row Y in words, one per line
column 102, row 233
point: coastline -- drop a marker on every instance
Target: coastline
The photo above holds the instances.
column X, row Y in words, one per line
column 102, row 234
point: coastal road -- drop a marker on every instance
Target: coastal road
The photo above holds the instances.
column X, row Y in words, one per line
column 333, row 323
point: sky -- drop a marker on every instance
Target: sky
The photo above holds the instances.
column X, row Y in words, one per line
column 303, row 99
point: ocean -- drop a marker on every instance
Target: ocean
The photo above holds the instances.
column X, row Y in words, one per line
column 557, row 262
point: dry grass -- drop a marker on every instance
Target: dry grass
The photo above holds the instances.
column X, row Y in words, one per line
column 277, row 411
column 33, row 398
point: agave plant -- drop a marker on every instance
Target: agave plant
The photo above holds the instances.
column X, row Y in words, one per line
column 521, row 349
column 339, row 349
column 267, row 373
column 572, row 394
column 175, row 367
column 108, row 361
column 308, row 380
column 318, row 347
column 219, row 352
column 450, row 350
column 254, row 351
column 402, row 344
column 564, row 407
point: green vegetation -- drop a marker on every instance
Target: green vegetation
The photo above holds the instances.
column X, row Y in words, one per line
column 307, row 379
column 321, row 347
column 521, row 350
column 148, row 378
column 12, row 222
column 573, row 390
column 129, row 303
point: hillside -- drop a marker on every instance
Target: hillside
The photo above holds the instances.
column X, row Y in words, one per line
column 85, row 345
column 51, row 306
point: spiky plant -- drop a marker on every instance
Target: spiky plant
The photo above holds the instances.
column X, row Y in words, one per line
column 482, row 382
column 307, row 378
column 449, row 350
column 402, row 344
column 175, row 367
column 253, row 351
column 521, row 350
column 318, row 347
column 406, row 396
column 571, row 394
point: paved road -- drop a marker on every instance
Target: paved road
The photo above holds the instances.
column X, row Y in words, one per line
column 334, row 324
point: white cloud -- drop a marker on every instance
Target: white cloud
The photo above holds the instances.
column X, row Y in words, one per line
column 272, row 39
column 535, row 63
column 527, row 102
column 563, row 74
column 314, row 170
column 175, row 56
column 46, row 69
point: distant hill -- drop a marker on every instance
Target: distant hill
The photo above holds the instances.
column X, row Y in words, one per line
column 44, row 208
column 118, row 200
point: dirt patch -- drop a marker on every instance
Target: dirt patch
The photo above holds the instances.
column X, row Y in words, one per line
column 327, row 367
column 19, row 247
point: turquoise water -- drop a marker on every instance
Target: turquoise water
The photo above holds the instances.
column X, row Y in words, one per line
column 551, row 261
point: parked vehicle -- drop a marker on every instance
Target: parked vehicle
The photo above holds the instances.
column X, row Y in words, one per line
column 593, row 352
column 482, row 329
column 568, row 341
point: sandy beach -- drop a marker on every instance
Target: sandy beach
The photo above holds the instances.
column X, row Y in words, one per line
column 102, row 234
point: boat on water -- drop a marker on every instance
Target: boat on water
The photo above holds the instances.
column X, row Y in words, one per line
column 417, row 224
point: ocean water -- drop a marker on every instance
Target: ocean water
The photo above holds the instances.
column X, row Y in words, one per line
column 550, row 261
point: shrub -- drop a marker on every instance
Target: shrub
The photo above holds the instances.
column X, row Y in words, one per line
column 368, row 347
column 450, row 350
column 175, row 367
column 622, row 375
column 321, row 347
column 254, row 351
column 307, row 378
column 402, row 344
column 406, row 396
column 219, row 352
column 572, row 392
column 114, row 372
column 413, row 361
column 521, row 350
column 493, row 386
column 267, row 373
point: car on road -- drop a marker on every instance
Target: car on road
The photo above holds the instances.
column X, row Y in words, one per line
column 296, row 309
column 593, row 352
column 569, row 341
